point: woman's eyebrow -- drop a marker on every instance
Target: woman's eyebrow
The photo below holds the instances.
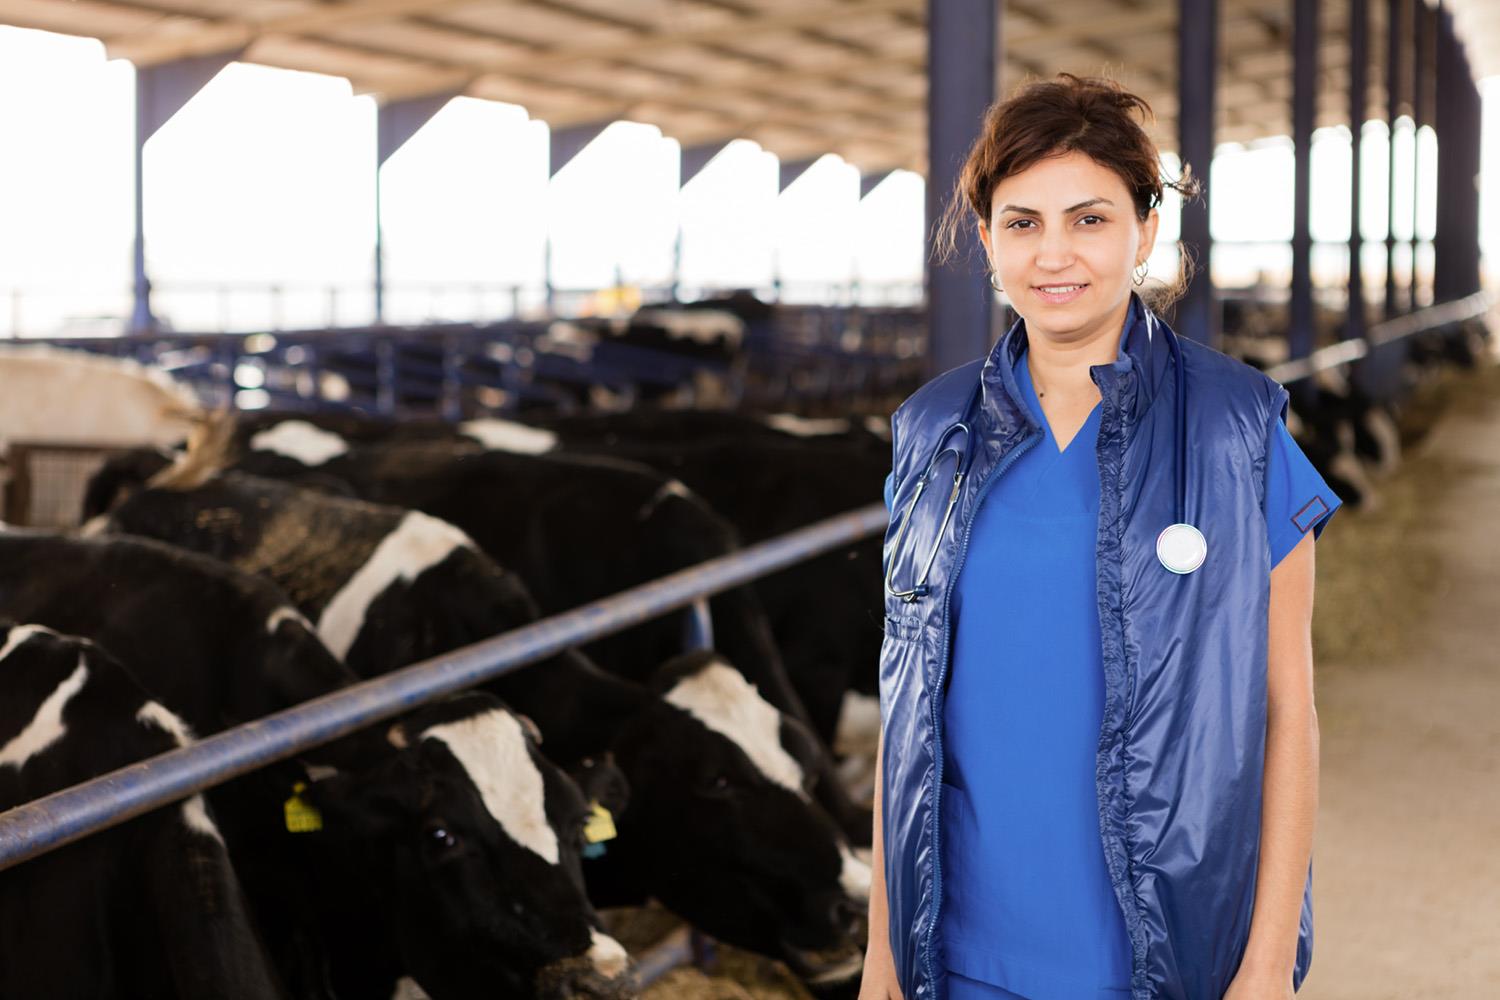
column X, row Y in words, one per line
column 1071, row 208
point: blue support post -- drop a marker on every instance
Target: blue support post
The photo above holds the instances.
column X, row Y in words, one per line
column 160, row 92
column 1359, row 76
column 1421, row 39
column 1395, row 39
column 563, row 144
column 1456, row 242
column 1197, row 314
column 962, row 39
column 1300, row 332
column 395, row 123
column 1378, row 373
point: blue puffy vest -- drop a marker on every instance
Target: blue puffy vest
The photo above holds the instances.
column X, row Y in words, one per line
column 1181, row 751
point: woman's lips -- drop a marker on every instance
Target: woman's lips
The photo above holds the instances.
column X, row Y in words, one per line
column 1058, row 298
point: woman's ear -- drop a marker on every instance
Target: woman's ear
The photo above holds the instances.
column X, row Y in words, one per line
column 984, row 241
column 1148, row 235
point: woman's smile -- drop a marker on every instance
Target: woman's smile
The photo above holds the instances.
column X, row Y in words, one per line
column 1059, row 294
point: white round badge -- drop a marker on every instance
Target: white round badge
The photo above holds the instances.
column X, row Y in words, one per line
column 1181, row 548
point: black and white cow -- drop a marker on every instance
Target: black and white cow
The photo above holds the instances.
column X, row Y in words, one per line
column 423, row 589
column 449, row 849
column 825, row 612
column 149, row 908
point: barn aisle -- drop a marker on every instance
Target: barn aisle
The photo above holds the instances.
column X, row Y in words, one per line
column 1406, row 869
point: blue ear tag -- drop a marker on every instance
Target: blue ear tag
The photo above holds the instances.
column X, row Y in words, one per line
column 1181, row 548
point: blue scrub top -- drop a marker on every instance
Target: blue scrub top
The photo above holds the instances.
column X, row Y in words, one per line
column 1028, row 906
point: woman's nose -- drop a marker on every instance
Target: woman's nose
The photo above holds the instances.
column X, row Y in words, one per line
column 1055, row 250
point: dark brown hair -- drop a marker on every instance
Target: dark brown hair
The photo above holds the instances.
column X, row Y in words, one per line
column 1042, row 118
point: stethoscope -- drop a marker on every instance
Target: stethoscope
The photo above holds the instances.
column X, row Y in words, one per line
column 1180, row 547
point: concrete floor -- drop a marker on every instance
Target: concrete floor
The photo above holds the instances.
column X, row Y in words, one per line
column 1406, row 864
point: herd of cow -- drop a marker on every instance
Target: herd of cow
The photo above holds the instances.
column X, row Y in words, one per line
column 463, row 850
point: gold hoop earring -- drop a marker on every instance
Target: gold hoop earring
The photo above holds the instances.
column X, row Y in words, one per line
column 1141, row 270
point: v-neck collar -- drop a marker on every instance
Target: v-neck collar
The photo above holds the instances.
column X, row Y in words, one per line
column 1023, row 379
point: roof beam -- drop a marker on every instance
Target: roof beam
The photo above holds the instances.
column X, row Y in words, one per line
column 179, row 38
column 806, row 16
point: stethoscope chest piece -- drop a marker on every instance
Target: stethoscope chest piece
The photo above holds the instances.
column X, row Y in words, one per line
column 1181, row 548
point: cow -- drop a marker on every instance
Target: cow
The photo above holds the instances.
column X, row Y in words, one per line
column 764, row 473
column 625, row 523
column 448, row 850
column 153, row 906
column 420, row 588
column 824, row 612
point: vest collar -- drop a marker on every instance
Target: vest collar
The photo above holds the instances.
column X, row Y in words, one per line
column 1143, row 348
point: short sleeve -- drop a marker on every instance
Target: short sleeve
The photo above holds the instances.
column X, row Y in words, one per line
column 890, row 487
column 1297, row 498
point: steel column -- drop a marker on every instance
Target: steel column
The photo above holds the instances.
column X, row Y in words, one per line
column 395, row 123
column 962, row 44
column 1300, row 331
column 1395, row 20
column 1197, row 315
column 160, row 92
column 1456, row 244
column 1359, row 78
column 1421, row 38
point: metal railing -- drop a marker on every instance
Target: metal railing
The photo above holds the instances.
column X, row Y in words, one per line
column 1380, row 334
column 56, row 820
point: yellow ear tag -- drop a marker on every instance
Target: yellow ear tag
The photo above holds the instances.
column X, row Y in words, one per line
column 301, row 816
column 600, row 825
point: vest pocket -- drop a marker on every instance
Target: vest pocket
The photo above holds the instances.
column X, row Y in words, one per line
column 904, row 628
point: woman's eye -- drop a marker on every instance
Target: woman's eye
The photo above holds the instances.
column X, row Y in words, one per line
column 1092, row 217
column 1013, row 224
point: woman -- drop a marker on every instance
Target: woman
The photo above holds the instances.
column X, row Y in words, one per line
column 1098, row 754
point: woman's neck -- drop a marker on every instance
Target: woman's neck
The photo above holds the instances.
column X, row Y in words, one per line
column 1060, row 364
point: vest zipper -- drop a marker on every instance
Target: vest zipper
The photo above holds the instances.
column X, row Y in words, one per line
column 939, row 694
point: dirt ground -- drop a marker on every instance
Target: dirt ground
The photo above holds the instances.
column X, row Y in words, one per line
column 1406, row 862
column 1406, row 636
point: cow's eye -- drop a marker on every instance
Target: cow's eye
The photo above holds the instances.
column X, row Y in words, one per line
column 717, row 784
column 440, row 838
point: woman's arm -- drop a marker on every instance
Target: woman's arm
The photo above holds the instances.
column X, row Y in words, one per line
column 1290, row 802
column 879, row 981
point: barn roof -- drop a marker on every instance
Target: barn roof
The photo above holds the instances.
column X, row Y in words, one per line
column 801, row 77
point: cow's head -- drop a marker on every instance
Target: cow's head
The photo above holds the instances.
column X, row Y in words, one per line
column 471, row 841
column 721, row 813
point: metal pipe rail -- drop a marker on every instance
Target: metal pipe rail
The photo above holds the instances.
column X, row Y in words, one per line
column 53, row 821
column 1383, row 333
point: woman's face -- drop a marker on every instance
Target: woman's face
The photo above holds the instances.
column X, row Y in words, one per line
column 1066, row 221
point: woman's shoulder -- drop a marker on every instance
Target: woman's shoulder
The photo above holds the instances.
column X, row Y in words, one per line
column 940, row 394
column 1231, row 380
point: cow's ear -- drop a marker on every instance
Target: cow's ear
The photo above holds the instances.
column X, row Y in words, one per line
column 374, row 803
column 601, row 780
column 531, row 727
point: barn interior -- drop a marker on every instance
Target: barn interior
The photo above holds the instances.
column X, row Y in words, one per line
column 740, row 432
